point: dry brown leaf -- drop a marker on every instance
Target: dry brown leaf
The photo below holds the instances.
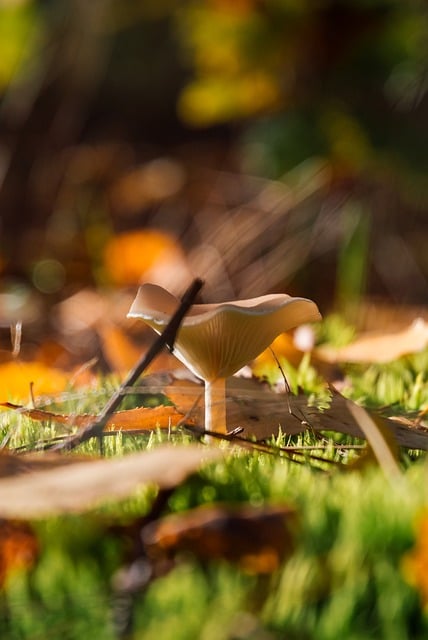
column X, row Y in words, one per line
column 249, row 404
column 83, row 485
column 380, row 439
column 13, row 465
column 261, row 411
column 416, row 422
column 255, row 407
column 379, row 347
column 338, row 417
column 141, row 418
column 257, row 539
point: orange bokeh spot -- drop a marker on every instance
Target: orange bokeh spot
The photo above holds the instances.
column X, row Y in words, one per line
column 131, row 257
column 19, row 548
column 17, row 378
column 415, row 563
column 282, row 347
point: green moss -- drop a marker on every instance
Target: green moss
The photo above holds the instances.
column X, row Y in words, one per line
column 344, row 577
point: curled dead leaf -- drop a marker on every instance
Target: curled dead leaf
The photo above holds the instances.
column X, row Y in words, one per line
column 257, row 539
column 262, row 411
column 140, row 418
column 379, row 438
column 82, row 485
column 379, row 347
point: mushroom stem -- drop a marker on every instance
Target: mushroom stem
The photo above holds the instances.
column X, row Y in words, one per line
column 215, row 405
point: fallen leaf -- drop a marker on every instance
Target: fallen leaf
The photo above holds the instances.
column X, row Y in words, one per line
column 145, row 418
column 261, row 411
column 283, row 346
column 122, row 354
column 119, row 351
column 147, row 184
column 338, row 417
column 13, row 465
column 255, row 407
column 149, row 255
column 17, row 378
column 140, row 418
column 379, row 438
column 19, row 548
column 379, row 347
column 257, row 539
column 79, row 486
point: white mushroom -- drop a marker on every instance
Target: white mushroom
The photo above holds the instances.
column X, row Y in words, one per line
column 216, row 340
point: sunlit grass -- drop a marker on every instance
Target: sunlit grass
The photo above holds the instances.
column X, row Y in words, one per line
column 344, row 578
column 401, row 385
column 353, row 531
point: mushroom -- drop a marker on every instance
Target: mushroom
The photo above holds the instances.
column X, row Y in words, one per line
column 216, row 340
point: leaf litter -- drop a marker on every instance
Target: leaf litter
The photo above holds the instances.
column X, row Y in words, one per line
column 37, row 488
column 34, row 486
column 254, row 407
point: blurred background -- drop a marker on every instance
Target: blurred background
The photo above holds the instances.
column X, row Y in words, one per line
column 264, row 145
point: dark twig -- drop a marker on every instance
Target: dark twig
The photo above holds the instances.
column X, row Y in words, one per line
column 166, row 338
column 296, row 454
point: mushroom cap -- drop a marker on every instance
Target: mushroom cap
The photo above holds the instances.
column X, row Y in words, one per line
column 216, row 340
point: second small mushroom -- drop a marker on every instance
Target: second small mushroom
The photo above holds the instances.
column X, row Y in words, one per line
column 216, row 340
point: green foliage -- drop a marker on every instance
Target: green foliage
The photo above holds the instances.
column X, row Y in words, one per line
column 335, row 62
column 352, row 261
column 343, row 580
column 19, row 28
column 401, row 386
column 334, row 330
column 67, row 593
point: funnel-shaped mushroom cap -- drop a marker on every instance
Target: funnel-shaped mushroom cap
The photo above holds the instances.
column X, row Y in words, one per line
column 216, row 340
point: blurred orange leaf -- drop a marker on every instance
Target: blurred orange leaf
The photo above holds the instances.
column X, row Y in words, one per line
column 282, row 346
column 141, row 418
column 16, row 379
column 18, row 548
column 151, row 255
column 122, row 354
column 415, row 562
column 379, row 347
column 147, row 184
column 119, row 351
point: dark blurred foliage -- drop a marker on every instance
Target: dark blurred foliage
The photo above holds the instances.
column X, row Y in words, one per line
column 282, row 144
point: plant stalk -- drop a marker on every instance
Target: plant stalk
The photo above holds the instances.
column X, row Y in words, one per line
column 215, row 405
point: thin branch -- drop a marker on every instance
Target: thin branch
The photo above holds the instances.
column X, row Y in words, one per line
column 302, row 418
column 166, row 338
column 256, row 445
